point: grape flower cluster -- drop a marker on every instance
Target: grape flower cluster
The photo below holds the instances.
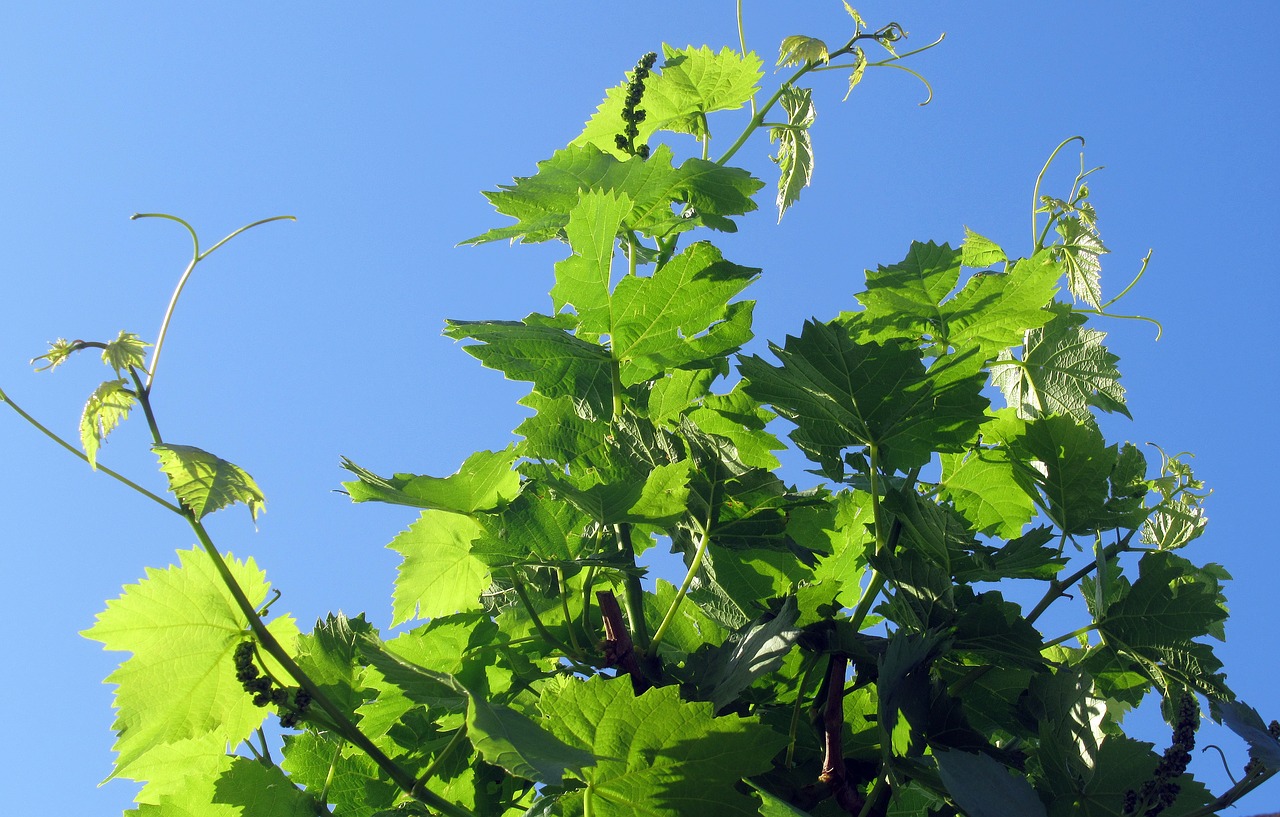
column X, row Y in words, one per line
column 291, row 704
column 632, row 115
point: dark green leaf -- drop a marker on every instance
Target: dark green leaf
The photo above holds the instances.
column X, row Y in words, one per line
column 513, row 741
column 841, row 393
column 984, row 787
column 723, row 672
column 1245, row 721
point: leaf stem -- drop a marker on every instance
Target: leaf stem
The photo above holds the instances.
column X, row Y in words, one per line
column 533, row 616
column 694, row 566
column 1068, row 636
column 633, row 591
column 4, row 398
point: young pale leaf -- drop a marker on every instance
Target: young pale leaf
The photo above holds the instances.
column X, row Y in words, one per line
column 484, row 482
column 1065, row 369
column 795, row 145
column 205, row 483
column 166, row 696
column 692, row 83
column 127, row 351
column 984, row 787
column 799, row 49
column 108, row 406
column 513, row 741
column 439, row 575
column 841, row 393
column 239, row 787
column 656, row 754
column 1079, row 252
column 859, row 69
column 584, row 279
column 60, row 351
column 980, row 252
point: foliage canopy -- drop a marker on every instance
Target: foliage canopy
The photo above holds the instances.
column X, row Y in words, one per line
column 842, row 648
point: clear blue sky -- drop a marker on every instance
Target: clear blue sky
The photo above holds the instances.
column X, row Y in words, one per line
column 377, row 126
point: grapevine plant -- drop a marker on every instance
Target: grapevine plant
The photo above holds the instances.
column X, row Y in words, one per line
column 842, row 648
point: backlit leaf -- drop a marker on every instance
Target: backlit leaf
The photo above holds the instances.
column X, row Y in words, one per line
column 164, row 694
column 657, row 755
column 205, row 483
column 108, row 406
column 795, row 145
column 438, row 575
column 485, row 481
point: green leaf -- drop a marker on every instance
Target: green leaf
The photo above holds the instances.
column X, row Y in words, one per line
column 795, row 145
column 541, row 204
column 536, row 528
column 984, row 787
column 983, row 487
column 484, row 482
column 330, row 656
column 108, row 406
column 167, row 695
column 127, row 351
column 205, row 483
column 659, row 322
column 1163, row 608
column 657, row 755
column 1065, row 369
column 1079, row 252
column 990, row 313
column 515, row 742
column 980, row 252
column 540, row 350
column 438, row 575
column 841, row 393
column 902, row 300
column 351, row 780
column 240, row 787
column 799, row 49
column 722, row 673
column 692, row 83
column 1077, row 465
column 995, row 310
column 584, row 279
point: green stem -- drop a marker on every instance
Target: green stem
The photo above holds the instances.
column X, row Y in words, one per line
column 742, row 46
column 694, row 566
column 811, row 664
column 1067, row 637
column 346, row 728
column 196, row 257
column 873, row 795
column 564, row 607
column 533, row 615
column 4, row 398
column 1038, row 243
column 438, row 760
column 1057, row 587
column 1146, row 259
column 1102, row 314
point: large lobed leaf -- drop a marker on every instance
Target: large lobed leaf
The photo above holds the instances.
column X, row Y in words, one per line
column 181, row 624
column 842, row 393
column 656, row 754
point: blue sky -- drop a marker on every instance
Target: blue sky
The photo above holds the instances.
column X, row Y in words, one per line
column 302, row 342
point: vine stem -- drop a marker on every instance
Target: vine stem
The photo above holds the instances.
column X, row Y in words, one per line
column 167, row 505
column 1035, row 191
column 196, row 257
column 694, row 566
